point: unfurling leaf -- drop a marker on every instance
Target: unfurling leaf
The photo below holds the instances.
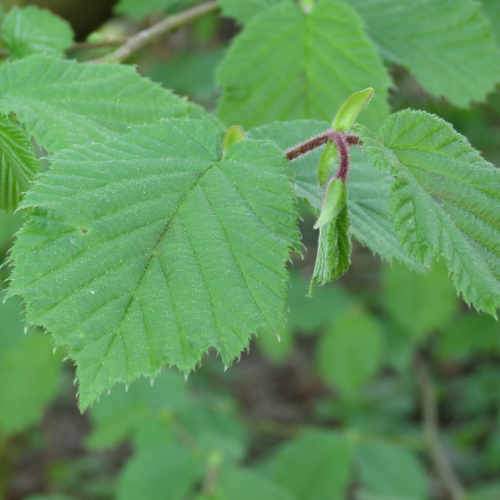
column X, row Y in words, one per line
column 334, row 243
column 350, row 110
column 327, row 163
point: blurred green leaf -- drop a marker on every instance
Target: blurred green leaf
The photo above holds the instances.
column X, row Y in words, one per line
column 245, row 10
column 486, row 491
column 29, row 372
column 119, row 415
column 30, row 30
column 419, row 303
column 244, row 484
column 189, row 73
column 277, row 348
column 316, row 465
column 389, row 472
column 159, row 469
column 492, row 8
column 139, row 9
column 468, row 335
column 349, row 353
column 433, row 39
column 309, row 314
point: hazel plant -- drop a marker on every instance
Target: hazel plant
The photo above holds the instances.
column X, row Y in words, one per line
column 160, row 232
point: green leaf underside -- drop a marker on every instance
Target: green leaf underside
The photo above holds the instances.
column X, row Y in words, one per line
column 149, row 249
column 369, row 189
column 287, row 64
column 81, row 101
column 18, row 164
column 32, row 30
column 449, row 48
column 445, row 198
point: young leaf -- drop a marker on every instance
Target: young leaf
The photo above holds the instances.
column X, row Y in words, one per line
column 29, row 372
column 30, row 30
column 445, row 199
column 315, row 465
column 348, row 113
column 334, row 243
column 150, row 248
column 18, row 164
column 451, row 50
column 349, row 353
column 81, row 101
column 244, row 11
column 288, row 64
column 369, row 188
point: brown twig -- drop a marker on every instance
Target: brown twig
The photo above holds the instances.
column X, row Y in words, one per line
column 147, row 36
column 437, row 452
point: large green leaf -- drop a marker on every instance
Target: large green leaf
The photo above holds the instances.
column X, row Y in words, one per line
column 314, row 465
column 369, row 189
column 32, row 30
column 18, row 163
column 63, row 102
column 288, row 64
column 151, row 248
column 29, row 372
column 445, row 200
column 449, row 46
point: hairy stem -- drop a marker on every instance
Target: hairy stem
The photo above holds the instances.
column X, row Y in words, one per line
column 318, row 141
column 149, row 35
column 343, row 149
column 437, row 452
